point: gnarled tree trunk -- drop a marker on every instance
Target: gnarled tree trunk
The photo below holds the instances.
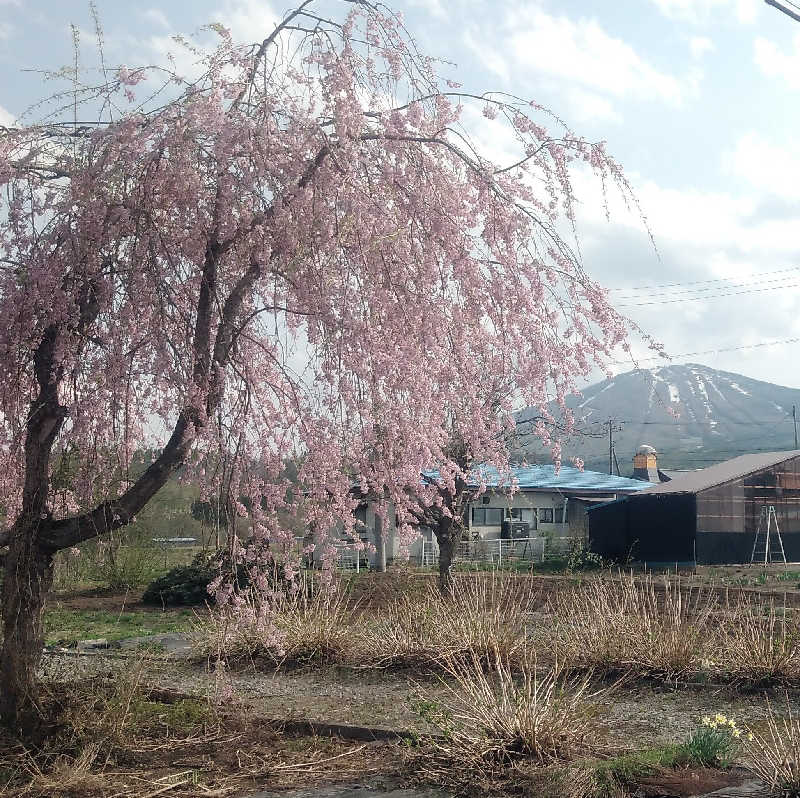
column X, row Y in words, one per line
column 28, row 577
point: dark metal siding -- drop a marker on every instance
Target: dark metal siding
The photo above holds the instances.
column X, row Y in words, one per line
column 652, row 528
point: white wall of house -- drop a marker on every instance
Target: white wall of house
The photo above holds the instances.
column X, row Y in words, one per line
column 542, row 509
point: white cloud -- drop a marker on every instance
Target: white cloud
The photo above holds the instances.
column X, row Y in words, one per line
column 6, row 117
column 156, row 16
column 248, row 20
column 433, row 7
column 581, row 52
column 700, row 45
column 587, row 106
column 775, row 63
column 703, row 11
column 490, row 57
column 767, row 167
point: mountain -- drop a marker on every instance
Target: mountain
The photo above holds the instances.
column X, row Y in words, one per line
column 693, row 415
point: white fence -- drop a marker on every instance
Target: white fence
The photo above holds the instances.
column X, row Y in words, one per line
column 495, row 553
column 498, row 553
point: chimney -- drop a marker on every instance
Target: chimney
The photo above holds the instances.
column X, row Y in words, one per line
column 644, row 464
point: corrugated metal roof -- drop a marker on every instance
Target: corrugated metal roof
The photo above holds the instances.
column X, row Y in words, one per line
column 544, row 477
column 694, row 481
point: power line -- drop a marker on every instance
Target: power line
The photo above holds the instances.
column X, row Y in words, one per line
column 730, row 284
column 710, row 296
column 712, row 351
column 697, row 282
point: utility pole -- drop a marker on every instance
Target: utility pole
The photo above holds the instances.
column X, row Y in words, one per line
column 787, row 7
column 612, row 454
column 794, row 419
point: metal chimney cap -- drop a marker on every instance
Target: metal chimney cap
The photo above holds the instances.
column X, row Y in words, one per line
column 646, row 449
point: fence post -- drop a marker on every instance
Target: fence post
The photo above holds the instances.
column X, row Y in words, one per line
column 422, row 556
column 500, row 554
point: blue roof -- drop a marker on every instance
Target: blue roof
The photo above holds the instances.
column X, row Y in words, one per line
column 545, row 477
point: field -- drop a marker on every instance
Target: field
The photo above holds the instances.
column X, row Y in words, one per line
column 572, row 685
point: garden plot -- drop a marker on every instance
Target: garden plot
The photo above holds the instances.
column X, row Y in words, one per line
column 513, row 685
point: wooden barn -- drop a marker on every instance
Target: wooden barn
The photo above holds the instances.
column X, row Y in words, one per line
column 709, row 516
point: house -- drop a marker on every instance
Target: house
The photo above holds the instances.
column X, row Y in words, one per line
column 708, row 516
column 546, row 503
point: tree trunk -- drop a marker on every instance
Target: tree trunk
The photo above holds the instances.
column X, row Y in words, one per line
column 446, row 548
column 448, row 533
column 28, row 577
column 380, row 547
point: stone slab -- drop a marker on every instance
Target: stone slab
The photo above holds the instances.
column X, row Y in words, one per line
column 168, row 642
column 374, row 790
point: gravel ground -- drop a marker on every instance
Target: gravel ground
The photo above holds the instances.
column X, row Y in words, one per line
column 633, row 716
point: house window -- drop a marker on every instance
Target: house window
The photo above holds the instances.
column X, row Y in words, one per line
column 546, row 515
column 487, row 516
column 558, row 515
column 523, row 514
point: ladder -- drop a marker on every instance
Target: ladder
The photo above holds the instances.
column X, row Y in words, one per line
column 768, row 545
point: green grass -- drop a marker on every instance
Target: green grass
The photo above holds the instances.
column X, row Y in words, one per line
column 706, row 747
column 65, row 626
column 629, row 769
column 183, row 716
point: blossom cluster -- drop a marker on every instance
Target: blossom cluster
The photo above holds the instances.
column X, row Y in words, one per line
column 725, row 724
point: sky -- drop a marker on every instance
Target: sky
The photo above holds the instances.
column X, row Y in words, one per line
column 699, row 100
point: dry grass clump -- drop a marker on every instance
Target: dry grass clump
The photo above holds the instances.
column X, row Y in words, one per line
column 756, row 643
column 634, row 626
column 483, row 616
column 774, row 752
column 496, row 722
column 308, row 624
column 244, row 631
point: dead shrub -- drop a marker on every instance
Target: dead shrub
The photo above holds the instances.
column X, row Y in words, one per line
column 66, row 775
column 774, row 752
column 246, row 630
column 316, row 624
column 633, row 626
column 308, row 623
column 756, row 643
column 485, row 615
column 500, row 718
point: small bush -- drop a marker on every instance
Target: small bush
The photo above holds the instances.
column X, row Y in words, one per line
column 184, row 585
column 581, row 558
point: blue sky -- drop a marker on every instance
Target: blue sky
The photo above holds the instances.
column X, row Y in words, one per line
column 698, row 99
